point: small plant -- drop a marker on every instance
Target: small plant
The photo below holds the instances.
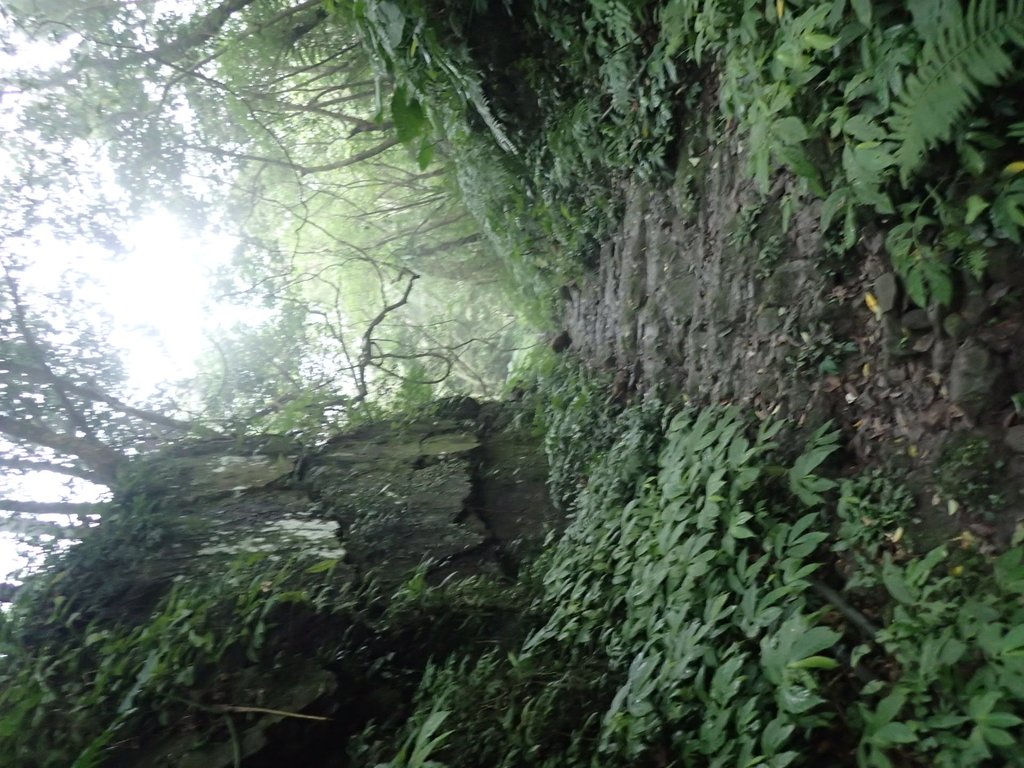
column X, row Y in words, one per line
column 820, row 351
column 114, row 673
column 873, row 511
column 968, row 472
column 416, row 752
column 1017, row 399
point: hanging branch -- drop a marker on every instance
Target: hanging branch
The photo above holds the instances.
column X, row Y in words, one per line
column 366, row 355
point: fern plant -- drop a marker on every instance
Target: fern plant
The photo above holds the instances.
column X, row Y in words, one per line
column 966, row 52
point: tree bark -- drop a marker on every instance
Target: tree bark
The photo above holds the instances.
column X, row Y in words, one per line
column 101, row 460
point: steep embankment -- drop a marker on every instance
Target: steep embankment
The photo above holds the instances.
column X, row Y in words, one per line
column 713, row 290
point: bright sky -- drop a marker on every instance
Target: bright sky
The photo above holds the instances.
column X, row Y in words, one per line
column 157, row 294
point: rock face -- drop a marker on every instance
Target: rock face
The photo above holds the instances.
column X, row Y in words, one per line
column 459, row 491
column 973, row 377
column 445, row 492
column 700, row 288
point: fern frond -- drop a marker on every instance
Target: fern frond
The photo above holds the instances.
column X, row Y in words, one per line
column 964, row 55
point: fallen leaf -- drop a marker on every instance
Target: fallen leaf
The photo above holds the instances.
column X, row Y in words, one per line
column 872, row 302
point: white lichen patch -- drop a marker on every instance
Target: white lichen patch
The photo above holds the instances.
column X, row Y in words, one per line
column 295, row 535
column 240, row 473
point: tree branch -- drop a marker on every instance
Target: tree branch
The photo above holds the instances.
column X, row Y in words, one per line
column 75, row 417
column 204, row 31
column 94, row 393
column 74, row 508
column 302, row 170
column 28, row 465
column 98, row 458
column 366, row 356
column 31, row 527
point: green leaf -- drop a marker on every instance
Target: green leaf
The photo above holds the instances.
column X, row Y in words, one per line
column 790, row 130
column 814, row 640
column 975, row 206
column 392, row 20
column 775, row 734
column 408, row 115
column 890, row 706
column 425, row 156
column 862, row 128
column 820, row 42
column 1002, row 720
column 997, row 737
column 814, row 662
column 892, row 578
column 800, row 163
column 979, row 706
column 323, row 566
column 1013, row 640
column 863, row 10
column 895, row 733
column 940, row 280
column 913, row 279
column 961, row 53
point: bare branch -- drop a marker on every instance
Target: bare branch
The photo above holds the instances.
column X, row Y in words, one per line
column 73, row 508
column 75, row 417
column 28, row 465
column 366, row 356
column 98, row 458
column 204, row 31
column 95, row 394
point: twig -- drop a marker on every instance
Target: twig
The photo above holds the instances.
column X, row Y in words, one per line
column 856, row 618
column 236, row 747
column 265, row 711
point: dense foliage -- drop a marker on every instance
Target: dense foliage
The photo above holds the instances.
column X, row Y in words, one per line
column 854, row 99
column 718, row 601
column 725, row 594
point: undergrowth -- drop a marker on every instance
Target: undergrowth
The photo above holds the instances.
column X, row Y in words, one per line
column 71, row 684
column 716, row 600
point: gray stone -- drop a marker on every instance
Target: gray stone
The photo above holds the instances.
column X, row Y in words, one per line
column 886, row 289
column 996, row 292
column 924, row 343
column 916, row 320
column 954, row 326
column 788, row 282
column 972, row 377
column 975, row 308
column 1015, row 438
column 769, row 320
column 1006, row 264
